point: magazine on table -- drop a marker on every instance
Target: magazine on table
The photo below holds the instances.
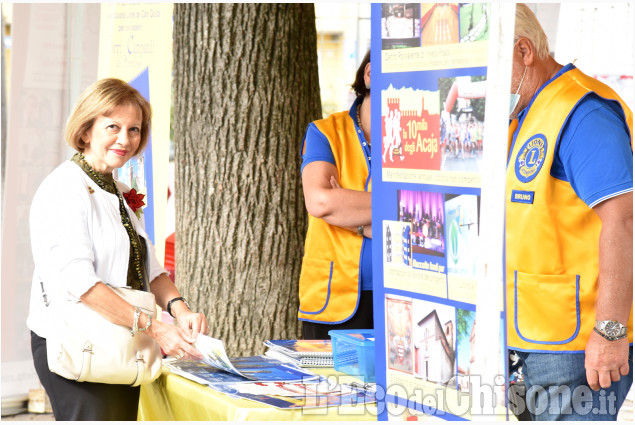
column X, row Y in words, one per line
column 250, row 369
column 299, row 395
column 214, row 354
column 201, row 372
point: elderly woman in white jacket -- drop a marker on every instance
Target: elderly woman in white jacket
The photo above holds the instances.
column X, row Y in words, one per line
column 84, row 235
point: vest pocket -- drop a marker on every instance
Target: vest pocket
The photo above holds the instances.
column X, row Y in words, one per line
column 547, row 307
column 315, row 285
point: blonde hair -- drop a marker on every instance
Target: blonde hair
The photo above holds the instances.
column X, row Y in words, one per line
column 101, row 98
column 527, row 25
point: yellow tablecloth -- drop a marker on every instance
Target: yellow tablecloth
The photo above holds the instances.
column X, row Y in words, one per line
column 174, row 398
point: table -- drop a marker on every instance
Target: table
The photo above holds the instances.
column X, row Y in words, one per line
column 174, row 398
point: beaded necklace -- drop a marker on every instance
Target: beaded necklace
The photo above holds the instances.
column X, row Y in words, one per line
column 107, row 183
column 361, row 131
column 359, row 122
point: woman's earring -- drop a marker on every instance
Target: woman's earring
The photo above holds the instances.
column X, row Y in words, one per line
column 368, row 86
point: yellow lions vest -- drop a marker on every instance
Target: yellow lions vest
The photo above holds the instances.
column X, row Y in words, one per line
column 330, row 280
column 552, row 236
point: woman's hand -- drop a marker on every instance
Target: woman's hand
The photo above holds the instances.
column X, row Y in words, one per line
column 192, row 323
column 174, row 341
column 368, row 231
column 189, row 323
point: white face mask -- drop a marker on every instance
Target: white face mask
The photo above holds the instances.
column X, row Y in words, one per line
column 515, row 98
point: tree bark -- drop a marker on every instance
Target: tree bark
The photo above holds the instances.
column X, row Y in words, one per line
column 246, row 86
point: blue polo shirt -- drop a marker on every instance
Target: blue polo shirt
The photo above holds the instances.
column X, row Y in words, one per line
column 593, row 152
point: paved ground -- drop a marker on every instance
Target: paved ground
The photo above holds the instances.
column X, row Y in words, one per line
column 30, row 417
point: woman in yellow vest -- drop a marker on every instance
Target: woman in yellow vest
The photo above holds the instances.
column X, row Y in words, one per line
column 569, row 220
column 336, row 278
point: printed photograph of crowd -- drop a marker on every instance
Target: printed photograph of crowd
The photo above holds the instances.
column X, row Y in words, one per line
column 461, row 122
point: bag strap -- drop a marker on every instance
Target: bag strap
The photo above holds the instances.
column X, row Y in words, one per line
column 140, row 369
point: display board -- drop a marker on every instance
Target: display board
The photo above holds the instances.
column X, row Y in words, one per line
column 136, row 46
column 431, row 117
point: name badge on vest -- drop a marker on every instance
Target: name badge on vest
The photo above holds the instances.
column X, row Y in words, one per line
column 522, row 196
column 530, row 158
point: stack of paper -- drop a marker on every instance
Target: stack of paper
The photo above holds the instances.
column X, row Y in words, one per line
column 299, row 395
column 266, row 380
column 311, row 353
column 216, row 366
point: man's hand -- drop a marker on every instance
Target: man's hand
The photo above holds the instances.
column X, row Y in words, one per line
column 605, row 361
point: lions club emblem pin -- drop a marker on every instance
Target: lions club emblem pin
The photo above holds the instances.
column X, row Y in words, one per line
column 530, row 158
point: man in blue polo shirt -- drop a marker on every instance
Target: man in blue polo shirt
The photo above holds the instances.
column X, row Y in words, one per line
column 569, row 251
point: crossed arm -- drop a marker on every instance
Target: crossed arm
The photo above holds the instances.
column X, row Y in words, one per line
column 326, row 199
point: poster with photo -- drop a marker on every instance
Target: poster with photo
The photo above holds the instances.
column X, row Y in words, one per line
column 440, row 23
column 135, row 45
column 462, row 121
column 403, row 271
column 137, row 173
column 465, row 334
column 433, row 36
column 428, row 209
column 434, row 335
column 399, row 334
column 424, row 212
column 401, row 25
column 410, row 128
column 433, row 128
column 441, row 339
column 133, row 174
column 462, row 226
column 474, row 22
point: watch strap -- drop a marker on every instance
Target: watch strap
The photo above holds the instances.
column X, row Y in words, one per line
column 169, row 307
column 614, row 332
column 610, row 338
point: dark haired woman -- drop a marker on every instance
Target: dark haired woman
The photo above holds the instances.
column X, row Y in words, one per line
column 336, row 278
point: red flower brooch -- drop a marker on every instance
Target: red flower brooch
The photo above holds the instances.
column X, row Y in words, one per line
column 135, row 201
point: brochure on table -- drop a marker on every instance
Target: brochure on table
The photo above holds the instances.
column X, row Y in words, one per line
column 299, row 395
column 216, row 366
column 428, row 91
column 253, row 369
column 266, row 380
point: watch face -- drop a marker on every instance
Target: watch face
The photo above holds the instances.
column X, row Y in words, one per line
column 612, row 328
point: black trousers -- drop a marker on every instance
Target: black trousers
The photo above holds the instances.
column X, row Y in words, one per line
column 83, row 401
column 362, row 319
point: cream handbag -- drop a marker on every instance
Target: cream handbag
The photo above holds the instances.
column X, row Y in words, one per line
column 87, row 347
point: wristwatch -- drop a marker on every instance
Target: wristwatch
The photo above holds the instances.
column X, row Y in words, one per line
column 360, row 230
column 610, row 329
column 174, row 300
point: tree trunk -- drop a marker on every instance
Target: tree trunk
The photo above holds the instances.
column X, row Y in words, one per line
column 246, row 86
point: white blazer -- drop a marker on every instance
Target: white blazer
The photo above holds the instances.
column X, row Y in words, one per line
column 77, row 240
